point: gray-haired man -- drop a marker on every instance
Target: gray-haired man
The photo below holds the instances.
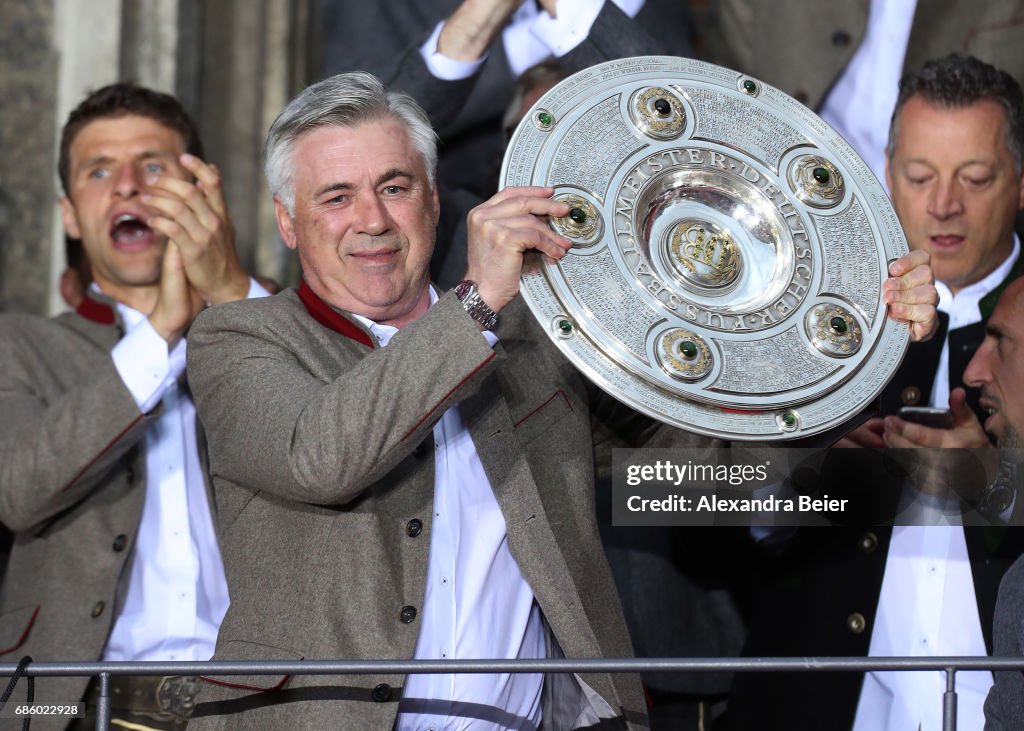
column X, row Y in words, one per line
column 403, row 473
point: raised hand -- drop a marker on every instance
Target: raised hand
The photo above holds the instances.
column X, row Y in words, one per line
column 911, row 295
column 194, row 217
column 502, row 230
column 178, row 303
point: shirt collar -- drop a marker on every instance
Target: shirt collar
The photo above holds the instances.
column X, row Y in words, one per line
column 967, row 299
column 384, row 333
column 129, row 315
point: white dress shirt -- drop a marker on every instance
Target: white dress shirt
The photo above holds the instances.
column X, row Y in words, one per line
column 529, row 37
column 176, row 594
column 861, row 102
column 477, row 604
column 927, row 606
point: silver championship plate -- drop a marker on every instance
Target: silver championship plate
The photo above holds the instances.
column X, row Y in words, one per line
column 729, row 249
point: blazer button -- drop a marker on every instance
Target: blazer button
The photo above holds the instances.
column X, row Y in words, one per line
column 414, row 527
column 120, row 542
column 868, row 543
column 381, row 692
column 408, row 614
column 841, row 39
column 801, row 96
column 97, row 609
column 856, row 623
column 910, row 395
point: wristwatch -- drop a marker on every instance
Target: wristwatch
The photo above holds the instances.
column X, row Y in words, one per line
column 998, row 496
column 467, row 293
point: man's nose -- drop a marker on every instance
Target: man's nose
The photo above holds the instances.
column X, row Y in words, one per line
column 371, row 215
column 945, row 200
column 128, row 182
column 976, row 374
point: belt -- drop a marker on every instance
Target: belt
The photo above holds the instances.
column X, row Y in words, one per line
column 166, row 697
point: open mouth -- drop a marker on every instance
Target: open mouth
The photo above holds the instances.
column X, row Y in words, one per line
column 128, row 231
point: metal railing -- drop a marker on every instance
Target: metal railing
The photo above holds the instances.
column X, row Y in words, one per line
column 104, row 670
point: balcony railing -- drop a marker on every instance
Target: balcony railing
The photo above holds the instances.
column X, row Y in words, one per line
column 104, row 670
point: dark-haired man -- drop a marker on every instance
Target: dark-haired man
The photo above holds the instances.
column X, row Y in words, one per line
column 101, row 478
column 954, row 170
column 998, row 370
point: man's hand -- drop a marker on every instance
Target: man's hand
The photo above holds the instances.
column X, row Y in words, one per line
column 502, row 230
column 867, row 435
column 965, row 434
column 194, row 217
column 472, row 28
column 178, row 303
column 911, row 295
column 939, row 469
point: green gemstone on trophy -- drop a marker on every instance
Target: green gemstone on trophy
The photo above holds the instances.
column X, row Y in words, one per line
column 578, row 215
column 821, row 174
column 838, row 324
column 688, row 348
column 789, row 418
column 565, row 326
column 662, row 107
column 749, row 86
column 544, row 119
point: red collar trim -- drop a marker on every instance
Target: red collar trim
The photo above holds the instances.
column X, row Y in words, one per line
column 326, row 316
column 96, row 311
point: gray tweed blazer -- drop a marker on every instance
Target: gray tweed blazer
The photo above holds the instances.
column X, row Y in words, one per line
column 71, row 479
column 321, row 459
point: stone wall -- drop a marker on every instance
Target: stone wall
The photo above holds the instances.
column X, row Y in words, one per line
column 28, row 79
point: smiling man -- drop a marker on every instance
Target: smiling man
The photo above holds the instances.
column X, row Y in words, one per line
column 101, row 477
column 403, row 473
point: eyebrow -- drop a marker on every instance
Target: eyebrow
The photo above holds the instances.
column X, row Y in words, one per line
column 383, row 178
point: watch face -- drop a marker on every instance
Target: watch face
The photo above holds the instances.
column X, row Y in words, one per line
column 997, row 499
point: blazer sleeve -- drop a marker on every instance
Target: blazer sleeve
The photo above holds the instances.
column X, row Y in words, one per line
column 56, row 447
column 1004, row 707
column 442, row 100
column 615, row 35
column 277, row 423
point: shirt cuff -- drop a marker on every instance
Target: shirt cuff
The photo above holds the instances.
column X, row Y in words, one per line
column 442, row 67
column 145, row 365
column 575, row 19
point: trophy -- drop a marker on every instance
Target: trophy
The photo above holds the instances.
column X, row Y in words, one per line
column 729, row 249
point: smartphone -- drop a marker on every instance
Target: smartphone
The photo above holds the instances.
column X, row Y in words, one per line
column 928, row 416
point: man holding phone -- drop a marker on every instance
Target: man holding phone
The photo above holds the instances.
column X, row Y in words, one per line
column 955, row 174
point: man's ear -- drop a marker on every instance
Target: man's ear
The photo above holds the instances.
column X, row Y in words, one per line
column 69, row 218
column 285, row 224
column 437, row 205
column 888, row 172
